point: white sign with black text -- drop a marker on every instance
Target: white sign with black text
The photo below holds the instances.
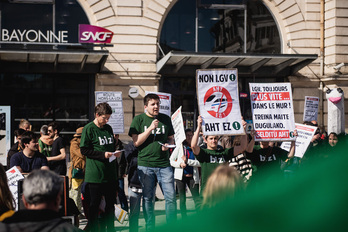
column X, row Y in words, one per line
column 13, row 176
column 5, row 133
column 304, row 137
column 178, row 125
column 272, row 109
column 311, row 106
column 218, row 101
column 114, row 99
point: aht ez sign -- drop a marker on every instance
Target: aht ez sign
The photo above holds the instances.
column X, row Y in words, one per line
column 94, row 34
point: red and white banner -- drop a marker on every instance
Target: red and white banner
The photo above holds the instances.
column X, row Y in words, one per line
column 13, row 176
column 272, row 109
column 218, row 101
column 178, row 125
column 305, row 135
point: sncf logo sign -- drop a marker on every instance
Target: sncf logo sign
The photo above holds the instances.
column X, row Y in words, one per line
column 94, row 34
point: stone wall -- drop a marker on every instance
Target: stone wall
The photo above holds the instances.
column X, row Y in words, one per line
column 137, row 25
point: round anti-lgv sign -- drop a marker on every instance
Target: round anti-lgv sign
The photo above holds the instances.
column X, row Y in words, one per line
column 218, row 102
column 133, row 92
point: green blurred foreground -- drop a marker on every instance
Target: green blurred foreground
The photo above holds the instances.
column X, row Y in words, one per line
column 314, row 198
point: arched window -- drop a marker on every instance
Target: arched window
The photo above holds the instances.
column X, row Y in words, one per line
column 220, row 30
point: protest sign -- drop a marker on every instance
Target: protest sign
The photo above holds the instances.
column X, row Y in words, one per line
column 13, row 176
column 175, row 157
column 311, row 106
column 114, row 99
column 166, row 101
column 305, row 134
column 218, row 101
column 5, row 133
column 272, row 109
column 178, row 125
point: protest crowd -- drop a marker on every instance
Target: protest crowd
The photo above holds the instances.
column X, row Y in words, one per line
column 215, row 166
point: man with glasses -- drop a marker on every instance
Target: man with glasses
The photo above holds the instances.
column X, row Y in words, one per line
column 56, row 161
column 98, row 145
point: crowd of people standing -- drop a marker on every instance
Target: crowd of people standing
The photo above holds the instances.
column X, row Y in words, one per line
column 212, row 170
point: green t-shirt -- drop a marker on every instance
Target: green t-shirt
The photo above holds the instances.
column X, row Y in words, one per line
column 99, row 139
column 210, row 159
column 45, row 149
column 150, row 152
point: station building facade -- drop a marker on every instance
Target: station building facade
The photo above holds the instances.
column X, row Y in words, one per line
column 158, row 45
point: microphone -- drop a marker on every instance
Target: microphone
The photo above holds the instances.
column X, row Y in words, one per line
column 154, row 137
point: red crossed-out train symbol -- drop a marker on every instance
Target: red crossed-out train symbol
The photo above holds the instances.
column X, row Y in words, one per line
column 218, row 102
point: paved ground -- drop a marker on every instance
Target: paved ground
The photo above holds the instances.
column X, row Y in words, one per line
column 159, row 212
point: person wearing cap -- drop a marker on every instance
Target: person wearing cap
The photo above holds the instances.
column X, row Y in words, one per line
column 77, row 168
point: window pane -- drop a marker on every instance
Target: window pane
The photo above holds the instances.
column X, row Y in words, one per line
column 220, row 30
column 42, row 98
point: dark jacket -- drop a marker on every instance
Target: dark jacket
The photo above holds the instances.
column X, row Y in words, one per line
column 13, row 150
column 35, row 221
column 121, row 161
column 131, row 153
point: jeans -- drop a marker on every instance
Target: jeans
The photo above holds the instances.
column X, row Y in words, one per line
column 165, row 177
column 194, row 188
column 134, row 203
column 121, row 195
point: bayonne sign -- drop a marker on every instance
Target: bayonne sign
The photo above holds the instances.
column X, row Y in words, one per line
column 87, row 34
column 33, row 36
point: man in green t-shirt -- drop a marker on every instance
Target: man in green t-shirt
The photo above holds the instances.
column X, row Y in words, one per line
column 148, row 130
column 211, row 157
column 98, row 145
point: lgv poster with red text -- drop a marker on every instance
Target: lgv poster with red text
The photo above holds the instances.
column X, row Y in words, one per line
column 272, row 109
column 218, row 101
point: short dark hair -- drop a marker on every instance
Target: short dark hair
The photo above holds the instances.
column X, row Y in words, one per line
column 102, row 109
column 334, row 134
column 308, row 123
column 19, row 132
column 55, row 126
column 27, row 137
column 188, row 130
column 150, row 96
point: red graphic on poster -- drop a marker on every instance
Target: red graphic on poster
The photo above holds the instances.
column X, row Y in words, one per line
column 218, row 102
column 272, row 96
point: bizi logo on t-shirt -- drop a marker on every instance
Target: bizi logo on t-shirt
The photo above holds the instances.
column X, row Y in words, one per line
column 217, row 159
column 159, row 130
column 105, row 140
column 270, row 158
